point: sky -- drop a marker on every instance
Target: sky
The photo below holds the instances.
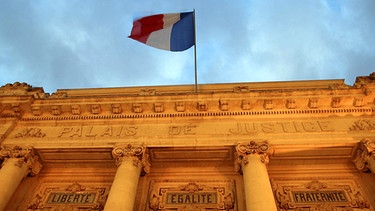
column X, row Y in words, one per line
column 83, row 43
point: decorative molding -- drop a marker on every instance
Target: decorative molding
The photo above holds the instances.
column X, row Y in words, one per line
column 180, row 106
column 137, row 153
column 363, row 125
column 260, row 102
column 358, row 102
column 316, row 185
column 339, row 86
column 56, row 110
column 192, row 195
column 364, row 80
column 291, row 103
column 313, row 103
column 309, row 112
column 336, row 102
column 37, row 110
column 240, row 89
column 116, row 108
column 372, row 77
column 319, row 194
column 245, row 149
column 70, row 196
column 75, row 187
column 364, row 153
column 16, row 88
column 96, row 109
column 147, row 92
column 26, row 154
column 202, row 106
column 367, row 92
column 268, row 104
column 137, row 108
column 58, row 95
column 263, row 98
column 223, row 105
column 245, row 105
column 16, row 108
column 76, row 109
column 158, row 107
column 30, row 132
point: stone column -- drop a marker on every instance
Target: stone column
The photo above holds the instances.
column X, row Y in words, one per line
column 251, row 160
column 130, row 161
column 17, row 163
column 365, row 156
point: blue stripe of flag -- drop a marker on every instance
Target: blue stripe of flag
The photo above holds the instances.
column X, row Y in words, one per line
column 182, row 35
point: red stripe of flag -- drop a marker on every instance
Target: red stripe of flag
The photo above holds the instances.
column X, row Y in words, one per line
column 144, row 26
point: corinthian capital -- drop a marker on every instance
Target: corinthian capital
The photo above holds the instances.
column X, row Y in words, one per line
column 365, row 154
column 26, row 156
column 244, row 149
column 137, row 153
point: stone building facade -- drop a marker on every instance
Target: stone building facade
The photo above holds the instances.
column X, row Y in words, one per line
column 300, row 145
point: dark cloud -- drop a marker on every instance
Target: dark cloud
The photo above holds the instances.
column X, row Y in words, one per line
column 75, row 44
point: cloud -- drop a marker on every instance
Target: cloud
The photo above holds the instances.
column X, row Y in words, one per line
column 76, row 44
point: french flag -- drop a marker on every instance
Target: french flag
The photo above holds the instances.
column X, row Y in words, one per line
column 171, row 32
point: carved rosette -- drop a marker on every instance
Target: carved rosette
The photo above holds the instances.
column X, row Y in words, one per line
column 365, row 152
column 244, row 149
column 27, row 156
column 137, row 153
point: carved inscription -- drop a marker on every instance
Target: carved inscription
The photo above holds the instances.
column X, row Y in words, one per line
column 319, row 196
column 178, row 195
column 74, row 196
column 71, row 198
column 216, row 129
column 90, row 131
column 183, row 130
column 30, row 132
column 191, row 198
column 363, row 125
column 335, row 193
column 287, row 127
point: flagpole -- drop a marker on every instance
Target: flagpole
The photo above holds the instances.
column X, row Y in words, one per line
column 195, row 54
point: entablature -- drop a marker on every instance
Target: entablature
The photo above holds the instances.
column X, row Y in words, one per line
column 308, row 157
column 322, row 98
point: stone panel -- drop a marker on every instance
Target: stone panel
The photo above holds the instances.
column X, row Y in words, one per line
column 191, row 195
column 320, row 194
column 72, row 196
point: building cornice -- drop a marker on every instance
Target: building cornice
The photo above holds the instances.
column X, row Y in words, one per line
column 322, row 97
column 299, row 112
